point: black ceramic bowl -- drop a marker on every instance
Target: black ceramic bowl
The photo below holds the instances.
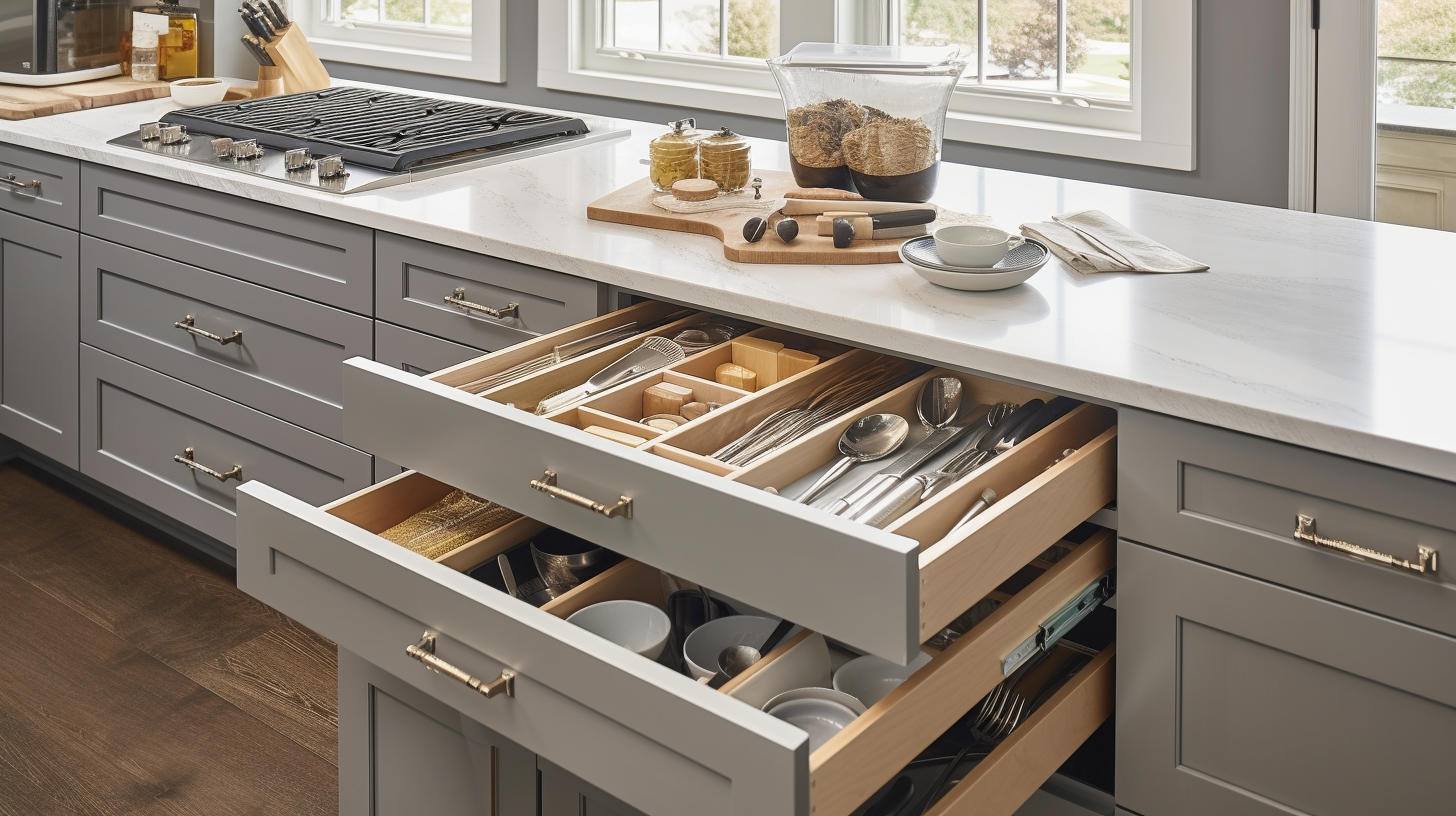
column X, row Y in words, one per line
column 919, row 186
column 833, row 177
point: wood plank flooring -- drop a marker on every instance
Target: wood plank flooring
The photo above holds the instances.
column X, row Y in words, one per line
column 136, row 679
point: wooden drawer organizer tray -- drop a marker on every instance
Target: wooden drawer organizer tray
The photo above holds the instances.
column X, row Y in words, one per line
column 1038, row 501
column 853, row 765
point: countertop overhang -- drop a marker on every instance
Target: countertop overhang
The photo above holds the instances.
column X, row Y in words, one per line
column 1320, row 331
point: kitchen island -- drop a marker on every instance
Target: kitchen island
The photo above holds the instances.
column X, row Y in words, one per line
column 1280, row 381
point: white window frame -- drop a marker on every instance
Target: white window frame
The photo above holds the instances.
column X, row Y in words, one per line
column 1156, row 129
column 478, row 54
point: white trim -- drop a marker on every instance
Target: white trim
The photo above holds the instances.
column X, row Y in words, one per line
column 1302, row 86
column 1345, row 113
column 479, row 56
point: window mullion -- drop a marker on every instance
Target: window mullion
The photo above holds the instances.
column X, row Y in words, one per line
column 722, row 28
column 1061, row 43
column 981, row 44
column 661, row 23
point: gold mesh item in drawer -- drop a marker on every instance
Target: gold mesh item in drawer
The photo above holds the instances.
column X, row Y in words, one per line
column 448, row 523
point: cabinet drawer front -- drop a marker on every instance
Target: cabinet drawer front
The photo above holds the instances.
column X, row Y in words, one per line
column 306, row 255
column 1238, row 696
column 1232, row 500
column 630, row 726
column 414, row 279
column 416, row 353
column 56, row 200
column 136, row 420
column 37, row 336
column 287, row 361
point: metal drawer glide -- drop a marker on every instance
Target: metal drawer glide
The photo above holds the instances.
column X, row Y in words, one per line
column 1061, row 622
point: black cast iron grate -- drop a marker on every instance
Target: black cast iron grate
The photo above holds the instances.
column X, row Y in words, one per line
column 389, row 131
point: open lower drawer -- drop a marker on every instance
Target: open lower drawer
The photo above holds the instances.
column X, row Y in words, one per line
column 632, row 727
column 880, row 591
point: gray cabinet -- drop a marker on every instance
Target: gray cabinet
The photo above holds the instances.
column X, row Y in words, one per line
column 415, row 353
column 38, row 375
column 403, row 753
column 1237, row 697
column 563, row 794
column 46, row 187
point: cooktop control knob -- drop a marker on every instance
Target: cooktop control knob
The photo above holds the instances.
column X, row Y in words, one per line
column 244, row 149
column 331, row 167
column 174, row 134
column 297, row 159
column 222, row 148
column 150, row 132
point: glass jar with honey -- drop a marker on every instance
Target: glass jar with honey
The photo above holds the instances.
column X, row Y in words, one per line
column 673, row 156
column 725, row 157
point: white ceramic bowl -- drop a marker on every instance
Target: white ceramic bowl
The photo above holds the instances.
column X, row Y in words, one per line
column 701, row 648
column 820, row 712
column 869, row 678
column 189, row 93
column 977, row 281
column 634, row 625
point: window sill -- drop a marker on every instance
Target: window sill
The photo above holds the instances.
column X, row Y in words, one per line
column 1089, row 143
column 462, row 66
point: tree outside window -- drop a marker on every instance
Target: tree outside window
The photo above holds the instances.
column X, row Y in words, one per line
column 1417, row 64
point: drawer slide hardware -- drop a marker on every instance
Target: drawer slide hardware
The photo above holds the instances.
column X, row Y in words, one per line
column 186, row 458
column 511, row 309
column 1426, row 557
column 424, row 651
column 29, row 189
column 547, row 484
column 190, row 326
column 1061, row 622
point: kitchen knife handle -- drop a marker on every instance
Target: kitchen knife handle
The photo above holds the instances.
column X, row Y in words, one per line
column 904, row 218
column 903, row 498
column 1051, row 412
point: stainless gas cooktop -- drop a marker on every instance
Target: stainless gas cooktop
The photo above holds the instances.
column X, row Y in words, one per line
column 349, row 140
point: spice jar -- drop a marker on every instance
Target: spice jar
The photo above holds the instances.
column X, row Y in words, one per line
column 144, row 56
column 724, row 158
column 673, row 156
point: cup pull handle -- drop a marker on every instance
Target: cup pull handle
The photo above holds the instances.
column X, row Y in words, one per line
column 189, row 325
column 511, row 309
column 186, row 458
column 30, row 189
column 424, row 651
column 547, row 484
column 1426, row 557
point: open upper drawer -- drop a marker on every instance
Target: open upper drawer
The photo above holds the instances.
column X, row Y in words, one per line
column 650, row 736
column 880, row 591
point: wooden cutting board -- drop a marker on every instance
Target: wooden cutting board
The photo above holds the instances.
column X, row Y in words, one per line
column 22, row 102
column 633, row 205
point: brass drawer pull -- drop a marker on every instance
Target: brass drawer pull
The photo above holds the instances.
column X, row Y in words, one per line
column 424, row 651
column 191, row 328
column 512, row 309
column 186, row 458
column 29, row 189
column 547, row 484
column 1426, row 556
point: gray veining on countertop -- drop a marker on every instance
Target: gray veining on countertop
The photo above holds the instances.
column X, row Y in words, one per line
column 1320, row 331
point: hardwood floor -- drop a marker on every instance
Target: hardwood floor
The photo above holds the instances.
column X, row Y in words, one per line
column 136, row 679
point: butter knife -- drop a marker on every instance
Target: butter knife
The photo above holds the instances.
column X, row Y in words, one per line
column 908, row 494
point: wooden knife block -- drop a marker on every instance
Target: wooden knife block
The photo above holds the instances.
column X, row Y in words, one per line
column 298, row 65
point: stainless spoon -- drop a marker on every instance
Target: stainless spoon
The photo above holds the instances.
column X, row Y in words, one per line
column 734, row 660
column 866, row 439
column 938, row 406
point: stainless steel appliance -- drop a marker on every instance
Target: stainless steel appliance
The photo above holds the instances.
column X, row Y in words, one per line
column 349, row 140
column 49, row 42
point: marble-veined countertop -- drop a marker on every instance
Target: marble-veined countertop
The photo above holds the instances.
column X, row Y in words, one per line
column 1321, row 331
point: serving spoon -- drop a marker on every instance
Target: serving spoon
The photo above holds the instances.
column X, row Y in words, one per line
column 866, row 439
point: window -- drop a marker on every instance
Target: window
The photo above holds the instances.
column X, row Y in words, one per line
column 447, row 37
column 1417, row 53
column 1104, row 79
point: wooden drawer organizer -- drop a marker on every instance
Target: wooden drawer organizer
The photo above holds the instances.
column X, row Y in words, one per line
column 849, row 769
column 894, row 588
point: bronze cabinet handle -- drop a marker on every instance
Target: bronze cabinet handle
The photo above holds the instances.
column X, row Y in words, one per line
column 189, row 325
column 1426, row 557
column 512, row 309
column 186, row 458
column 30, row 189
column 424, row 651
column 547, row 484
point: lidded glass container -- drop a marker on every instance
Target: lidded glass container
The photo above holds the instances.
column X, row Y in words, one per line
column 673, row 156
column 725, row 157
column 869, row 118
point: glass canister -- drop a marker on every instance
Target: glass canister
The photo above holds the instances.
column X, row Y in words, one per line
column 673, row 156
column 867, row 118
column 177, row 45
column 725, row 157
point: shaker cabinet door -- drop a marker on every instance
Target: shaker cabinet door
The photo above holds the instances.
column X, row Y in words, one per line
column 38, row 336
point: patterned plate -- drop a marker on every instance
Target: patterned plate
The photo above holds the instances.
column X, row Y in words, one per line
column 921, row 251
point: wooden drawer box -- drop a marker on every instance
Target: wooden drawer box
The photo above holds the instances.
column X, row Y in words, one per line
column 880, row 591
column 1233, row 500
column 414, row 279
column 636, row 729
column 135, row 422
column 56, row 199
column 285, row 359
column 306, row 255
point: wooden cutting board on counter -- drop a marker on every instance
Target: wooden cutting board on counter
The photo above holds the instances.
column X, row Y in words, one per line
column 633, row 205
column 24, row 102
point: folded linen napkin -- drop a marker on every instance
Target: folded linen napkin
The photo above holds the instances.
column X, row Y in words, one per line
column 1089, row 241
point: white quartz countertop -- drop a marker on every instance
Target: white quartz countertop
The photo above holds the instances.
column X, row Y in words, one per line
column 1324, row 332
